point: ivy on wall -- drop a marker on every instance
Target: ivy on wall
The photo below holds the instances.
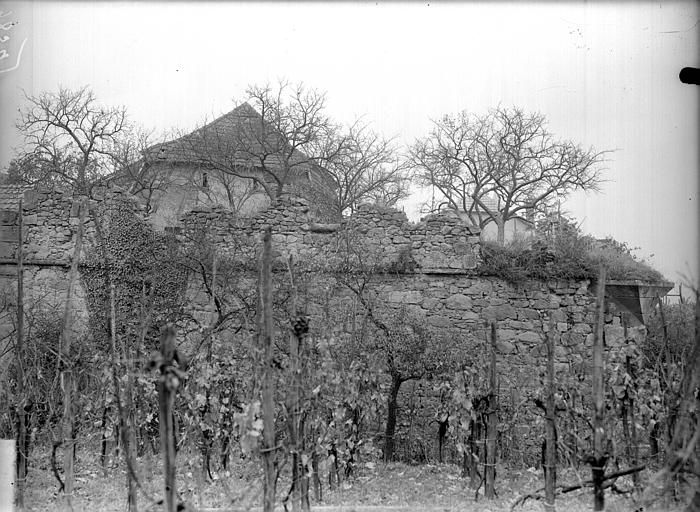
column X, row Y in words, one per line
column 143, row 264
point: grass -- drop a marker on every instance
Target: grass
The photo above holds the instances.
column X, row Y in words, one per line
column 377, row 487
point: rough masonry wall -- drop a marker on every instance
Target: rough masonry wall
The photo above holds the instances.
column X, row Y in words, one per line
column 429, row 268
column 384, row 236
column 432, row 273
column 50, row 220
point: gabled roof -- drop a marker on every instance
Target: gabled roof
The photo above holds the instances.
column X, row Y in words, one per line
column 236, row 137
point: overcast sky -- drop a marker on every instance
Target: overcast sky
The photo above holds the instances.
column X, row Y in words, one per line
column 605, row 75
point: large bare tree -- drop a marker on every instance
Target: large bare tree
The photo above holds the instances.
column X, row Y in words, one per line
column 498, row 166
column 366, row 167
column 72, row 140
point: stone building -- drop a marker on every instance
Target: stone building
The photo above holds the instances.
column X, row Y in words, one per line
column 190, row 171
column 517, row 227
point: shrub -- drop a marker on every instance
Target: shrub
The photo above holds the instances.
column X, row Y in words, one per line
column 559, row 250
column 680, row 332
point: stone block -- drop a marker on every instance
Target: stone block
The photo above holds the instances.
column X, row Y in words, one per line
column 479, row 288
column 529, row 337
column 439, row 321
column 8, row 217
column 505, row 347
column 430, row 303
column 528, row 314
column 499, row 312
column 470, row 316
column 458, row 301
column 30, row 220
column 582, row 328
column 9, row 233
column 558, row 315
column 408, row 297
column 8, row 250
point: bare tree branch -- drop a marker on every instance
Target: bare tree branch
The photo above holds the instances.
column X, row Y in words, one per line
column 501, row 165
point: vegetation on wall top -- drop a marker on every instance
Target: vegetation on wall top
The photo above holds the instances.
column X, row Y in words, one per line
column 559, row 250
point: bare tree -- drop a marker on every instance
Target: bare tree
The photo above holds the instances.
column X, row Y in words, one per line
column 501, row 165
column 135, row 168
column 282, row 140
column 276, row 137
column 72, row 142
column 365, row 167
column 70, row 139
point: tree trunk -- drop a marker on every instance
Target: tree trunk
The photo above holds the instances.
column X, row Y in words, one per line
column 317, row 478
column 268, row 391
column 104, row 441
column 66, row 366
column 166, row 396
column 550, row 469
column 474, row 452
column 126, row 425
column 294, row 397
column 130, row 444
column 598, row 462
column 492, row 424
column 22, row 402
column 654, row 442
column 501, row 232
column 333, row 479
column 392, row 410
column 125, row 428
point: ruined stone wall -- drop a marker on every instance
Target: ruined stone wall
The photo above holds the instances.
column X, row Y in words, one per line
column 437, row 244
column 430, row 269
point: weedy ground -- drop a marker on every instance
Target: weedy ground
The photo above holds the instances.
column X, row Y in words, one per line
column 377, row 487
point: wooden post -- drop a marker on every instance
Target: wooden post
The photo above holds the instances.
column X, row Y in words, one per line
column 22, row 438
column 492, row 424
column 66, row 366
column 598, row 460
column 300, row 470
column 268, row 384
column 633, row 447
column 167, row 386
column 550, row 471
column 293, row 408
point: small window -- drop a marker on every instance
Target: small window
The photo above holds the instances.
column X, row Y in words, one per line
column 205, row 180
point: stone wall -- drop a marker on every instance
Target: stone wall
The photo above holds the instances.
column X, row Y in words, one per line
column 430, row 269
column 437, row 244
column 50, row 220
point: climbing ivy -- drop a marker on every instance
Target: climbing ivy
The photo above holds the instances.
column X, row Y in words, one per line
column 149, row 292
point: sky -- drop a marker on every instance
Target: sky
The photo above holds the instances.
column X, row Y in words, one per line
column 604, row 74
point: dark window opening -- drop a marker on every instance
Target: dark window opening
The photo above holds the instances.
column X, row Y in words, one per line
column 205, row 180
